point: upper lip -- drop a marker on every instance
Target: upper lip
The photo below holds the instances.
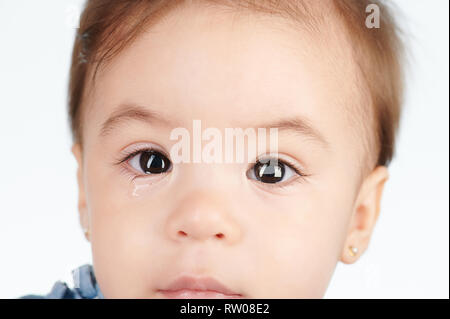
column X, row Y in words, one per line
column 199, row 283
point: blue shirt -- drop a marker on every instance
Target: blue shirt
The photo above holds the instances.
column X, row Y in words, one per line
column 85, row 287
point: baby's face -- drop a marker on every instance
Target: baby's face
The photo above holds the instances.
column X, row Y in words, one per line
column 262, row 235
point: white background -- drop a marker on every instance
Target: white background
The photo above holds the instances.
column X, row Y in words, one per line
column 40, row 237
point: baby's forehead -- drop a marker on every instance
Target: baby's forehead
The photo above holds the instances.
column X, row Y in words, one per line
column 259, row 55
column 246, row 69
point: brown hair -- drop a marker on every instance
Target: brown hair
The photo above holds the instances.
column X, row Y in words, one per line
column 107, row 27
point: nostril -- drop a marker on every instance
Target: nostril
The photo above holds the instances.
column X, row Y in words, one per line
column 182, row 233
column 219, row 235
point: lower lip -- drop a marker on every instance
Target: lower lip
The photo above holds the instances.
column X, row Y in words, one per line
column 196, row 294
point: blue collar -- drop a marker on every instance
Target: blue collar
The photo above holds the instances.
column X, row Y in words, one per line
column 85, row 286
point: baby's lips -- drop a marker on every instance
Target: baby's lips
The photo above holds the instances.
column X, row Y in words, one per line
column 198, row 287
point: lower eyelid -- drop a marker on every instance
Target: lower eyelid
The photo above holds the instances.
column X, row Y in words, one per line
column 131, row 175
column 294, row 180
column 279, row 189
column 127, row 172
column 284, row 184
column 133, row 171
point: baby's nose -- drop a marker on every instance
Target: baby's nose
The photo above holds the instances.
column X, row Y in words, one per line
column 203, row 216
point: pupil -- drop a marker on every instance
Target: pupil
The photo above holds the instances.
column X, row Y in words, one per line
column 153, row 163
column 268, row 173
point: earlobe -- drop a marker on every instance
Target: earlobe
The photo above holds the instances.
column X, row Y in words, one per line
column 82, row 207
column 365, row 215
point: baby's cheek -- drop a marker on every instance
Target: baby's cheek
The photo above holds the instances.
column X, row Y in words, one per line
column 110, row 254
column 299, row 249
column 119, row 238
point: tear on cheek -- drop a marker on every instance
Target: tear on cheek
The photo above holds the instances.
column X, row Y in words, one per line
column 143, row 187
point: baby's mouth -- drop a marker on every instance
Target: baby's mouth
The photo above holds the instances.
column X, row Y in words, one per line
column 189, row 287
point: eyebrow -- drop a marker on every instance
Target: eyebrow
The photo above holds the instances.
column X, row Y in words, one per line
column 132, row 112
column 300, row 125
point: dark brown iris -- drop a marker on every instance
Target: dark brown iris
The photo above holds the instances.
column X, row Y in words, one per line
column 154, row 162
column 269, row 171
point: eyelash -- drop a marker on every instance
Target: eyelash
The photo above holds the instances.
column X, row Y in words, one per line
column 126, row 156
column 131, row 154
column 301, row 176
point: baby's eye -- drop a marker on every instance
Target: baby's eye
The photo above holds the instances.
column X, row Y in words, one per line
column 271, row 171
column 150, row 162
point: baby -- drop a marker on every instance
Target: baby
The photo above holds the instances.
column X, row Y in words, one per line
column 166, row 214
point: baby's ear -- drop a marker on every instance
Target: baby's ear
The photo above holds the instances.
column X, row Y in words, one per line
column 82, row 208
column 365, row 214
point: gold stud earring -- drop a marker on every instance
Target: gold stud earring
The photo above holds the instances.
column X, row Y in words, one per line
column 353, row 251
column 86, row 232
